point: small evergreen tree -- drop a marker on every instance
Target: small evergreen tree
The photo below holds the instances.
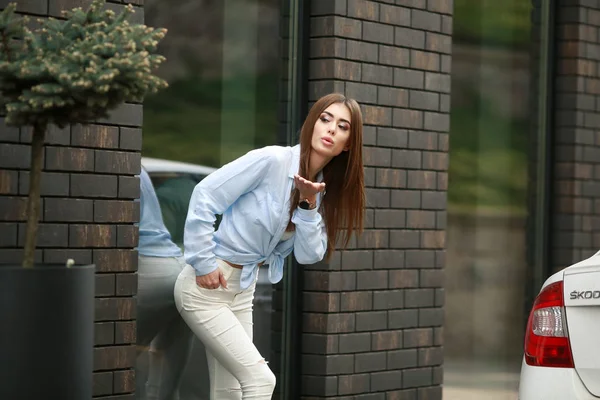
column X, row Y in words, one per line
column 71, row 71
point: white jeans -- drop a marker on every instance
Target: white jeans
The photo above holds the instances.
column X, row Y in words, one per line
column 222, row 320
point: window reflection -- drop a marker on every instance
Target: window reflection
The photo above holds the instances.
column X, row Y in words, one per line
column 222, row 101
column 492, row 123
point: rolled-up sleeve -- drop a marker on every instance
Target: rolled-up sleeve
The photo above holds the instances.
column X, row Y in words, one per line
column 310, row 243
column 214, row 195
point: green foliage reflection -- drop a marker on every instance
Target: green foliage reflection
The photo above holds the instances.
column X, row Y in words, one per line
column 183, row 123
column 505, row 23
column 489, row 135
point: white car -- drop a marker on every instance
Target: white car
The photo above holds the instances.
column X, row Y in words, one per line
column 562, row 341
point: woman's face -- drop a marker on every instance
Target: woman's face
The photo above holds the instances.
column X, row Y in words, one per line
column 332, row 131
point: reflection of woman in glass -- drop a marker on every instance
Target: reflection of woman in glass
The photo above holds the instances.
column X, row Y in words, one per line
column 274, row 200
column 159, row 328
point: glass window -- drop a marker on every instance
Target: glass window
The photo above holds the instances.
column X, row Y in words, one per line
column 494, row 146
column 228, row 94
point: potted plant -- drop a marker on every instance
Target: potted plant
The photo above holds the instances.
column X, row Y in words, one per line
column 70, row 71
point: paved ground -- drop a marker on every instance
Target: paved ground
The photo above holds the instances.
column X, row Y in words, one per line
column 480, row 381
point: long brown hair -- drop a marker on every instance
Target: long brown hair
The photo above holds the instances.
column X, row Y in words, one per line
column 343, row 204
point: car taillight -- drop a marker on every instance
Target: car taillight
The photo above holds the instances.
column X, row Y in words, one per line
column 547, row 338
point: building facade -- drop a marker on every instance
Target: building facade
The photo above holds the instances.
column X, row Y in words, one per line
column 480, row 140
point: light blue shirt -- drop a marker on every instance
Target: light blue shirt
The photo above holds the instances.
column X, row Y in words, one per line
column 155, row 240
column 253, row 195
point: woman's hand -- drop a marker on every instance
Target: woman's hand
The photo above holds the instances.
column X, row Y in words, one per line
column 308, row 190
column 212, row 280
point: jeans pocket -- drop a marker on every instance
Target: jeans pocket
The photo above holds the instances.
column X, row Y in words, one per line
column 192, row 297
column 196, row 298
column 227, row 270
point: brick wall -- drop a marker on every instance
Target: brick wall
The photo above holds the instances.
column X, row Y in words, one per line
column 373, row 317
column 88, row 214
column 576, row 180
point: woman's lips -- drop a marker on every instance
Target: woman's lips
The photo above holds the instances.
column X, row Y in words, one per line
column 327, row 141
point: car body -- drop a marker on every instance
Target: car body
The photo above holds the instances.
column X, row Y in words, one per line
column 562, row 341
column 160, row 169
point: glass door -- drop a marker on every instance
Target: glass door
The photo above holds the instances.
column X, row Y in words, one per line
column 233, row 87
column 497, row 192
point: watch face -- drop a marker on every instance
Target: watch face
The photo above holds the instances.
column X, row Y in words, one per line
column 305, row 205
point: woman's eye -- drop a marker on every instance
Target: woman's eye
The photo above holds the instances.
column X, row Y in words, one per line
column 324, row 119
column 343, row 127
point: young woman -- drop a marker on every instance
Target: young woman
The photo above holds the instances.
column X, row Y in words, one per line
column 274, row 200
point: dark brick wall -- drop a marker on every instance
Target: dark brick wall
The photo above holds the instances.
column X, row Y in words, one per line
column 576, row 174
column 88, row 214
column 372, row 320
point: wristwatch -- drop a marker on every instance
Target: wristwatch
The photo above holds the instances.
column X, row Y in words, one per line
column 306, row 205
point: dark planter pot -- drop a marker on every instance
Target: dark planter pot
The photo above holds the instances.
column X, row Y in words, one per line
column 46, row 332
